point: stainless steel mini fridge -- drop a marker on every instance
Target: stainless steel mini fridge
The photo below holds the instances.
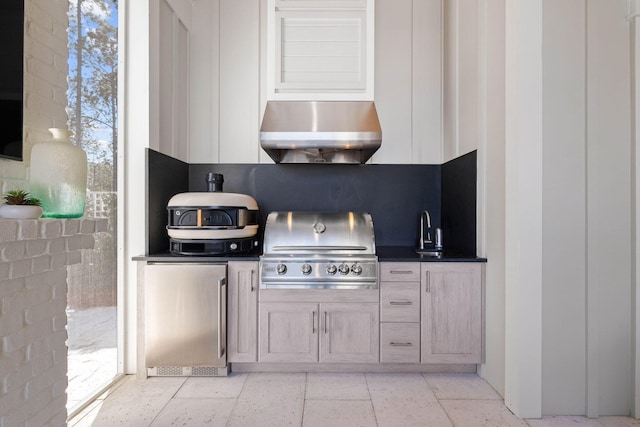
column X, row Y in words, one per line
column 185, row 319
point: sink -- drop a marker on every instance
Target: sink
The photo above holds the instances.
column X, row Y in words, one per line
column 429, row 252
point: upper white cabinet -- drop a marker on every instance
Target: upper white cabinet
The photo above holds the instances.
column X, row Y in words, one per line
column 320, row 50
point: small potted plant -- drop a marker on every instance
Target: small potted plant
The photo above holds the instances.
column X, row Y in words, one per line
column 20, row 205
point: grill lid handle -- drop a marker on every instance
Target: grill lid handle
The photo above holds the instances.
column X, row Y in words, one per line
column 319, row 248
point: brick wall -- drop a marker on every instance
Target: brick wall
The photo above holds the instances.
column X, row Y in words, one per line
column 34, row 255
column 45, row 82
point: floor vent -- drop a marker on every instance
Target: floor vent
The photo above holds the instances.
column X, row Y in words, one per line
column 204, row 371
column 187, row 371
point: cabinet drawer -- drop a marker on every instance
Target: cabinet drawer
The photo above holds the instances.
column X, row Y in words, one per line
column 400, row 301
column 400, row 271
column 400, row 343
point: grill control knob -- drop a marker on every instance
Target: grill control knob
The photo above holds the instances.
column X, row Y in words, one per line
column 343, row 269
column 306, row 269
column 356, row 269
column 332, row 269
column 281, row 269
column 319, row 227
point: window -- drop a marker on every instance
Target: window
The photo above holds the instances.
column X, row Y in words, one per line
column 93, row 111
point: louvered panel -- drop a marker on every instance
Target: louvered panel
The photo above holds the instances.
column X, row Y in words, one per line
column 320, row 50
column 320, row 3
column 321, row 30
column 321, row 80
column 320, row 65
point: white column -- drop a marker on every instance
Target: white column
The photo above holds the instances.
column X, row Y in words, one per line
column 564, row 208
column 491, row 183
column 609, row 209
column 137, row 90
column 523, row 260
column 635, row 327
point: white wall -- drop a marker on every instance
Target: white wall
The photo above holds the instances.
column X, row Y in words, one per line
column 586, row 209
column 565, row 174
column 228, row 80
column 462, row 68
column 239, row 82
column 408, row 80
column 204, row 92
column 172, row 68
column 174, row 73
column 568, row 187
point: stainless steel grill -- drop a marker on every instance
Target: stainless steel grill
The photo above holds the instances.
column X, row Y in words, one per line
column 318, row 250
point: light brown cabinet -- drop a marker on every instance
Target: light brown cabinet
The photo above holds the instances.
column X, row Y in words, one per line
column 349, row 333
column 431, row 312
column 451, row 313
column 242, row 309
column 428, row 313
column 400, row 312
column 288, row 332
column 324, row 332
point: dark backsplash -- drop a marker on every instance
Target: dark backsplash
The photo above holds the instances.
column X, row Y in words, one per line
column 166, row 176
column 394, row 195
column 459, row 204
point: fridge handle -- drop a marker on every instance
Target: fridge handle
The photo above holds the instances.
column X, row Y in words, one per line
column 222, row 282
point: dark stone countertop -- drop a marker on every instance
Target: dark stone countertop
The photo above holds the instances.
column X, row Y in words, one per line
column 169, row 257
column 385, row 254
column 408, row 254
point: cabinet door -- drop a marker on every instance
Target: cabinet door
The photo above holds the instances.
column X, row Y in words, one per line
column 349, row 333
column 451, row 313
column 243, row 311
column 288, row 332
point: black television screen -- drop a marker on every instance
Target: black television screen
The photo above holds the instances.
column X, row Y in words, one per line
column 11, row 77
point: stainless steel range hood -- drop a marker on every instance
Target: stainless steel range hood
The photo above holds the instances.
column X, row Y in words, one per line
column 320, row 131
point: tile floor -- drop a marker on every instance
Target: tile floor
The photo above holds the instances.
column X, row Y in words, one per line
column 314, row 400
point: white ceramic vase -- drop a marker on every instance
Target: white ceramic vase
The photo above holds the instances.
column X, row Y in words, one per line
column 20, row 211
